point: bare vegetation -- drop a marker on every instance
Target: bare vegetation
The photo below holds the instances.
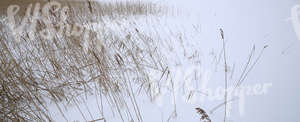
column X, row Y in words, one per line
column 114, row 68
column 35, row 73
column 204, row 116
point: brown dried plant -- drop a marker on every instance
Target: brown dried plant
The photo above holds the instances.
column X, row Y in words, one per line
column 39, row 72
column 204, row 116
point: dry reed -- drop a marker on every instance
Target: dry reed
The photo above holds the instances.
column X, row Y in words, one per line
column 37, row 72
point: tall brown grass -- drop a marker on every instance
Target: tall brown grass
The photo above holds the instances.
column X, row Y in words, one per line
column 34, row 73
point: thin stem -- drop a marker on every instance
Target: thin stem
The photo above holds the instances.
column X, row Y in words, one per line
column 225, row 73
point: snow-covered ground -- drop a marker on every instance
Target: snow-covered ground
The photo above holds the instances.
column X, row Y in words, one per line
column 192, row 44
column 190, row 41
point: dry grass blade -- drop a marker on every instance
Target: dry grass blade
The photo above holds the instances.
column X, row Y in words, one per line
column 225, row 73
column 98, row 120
